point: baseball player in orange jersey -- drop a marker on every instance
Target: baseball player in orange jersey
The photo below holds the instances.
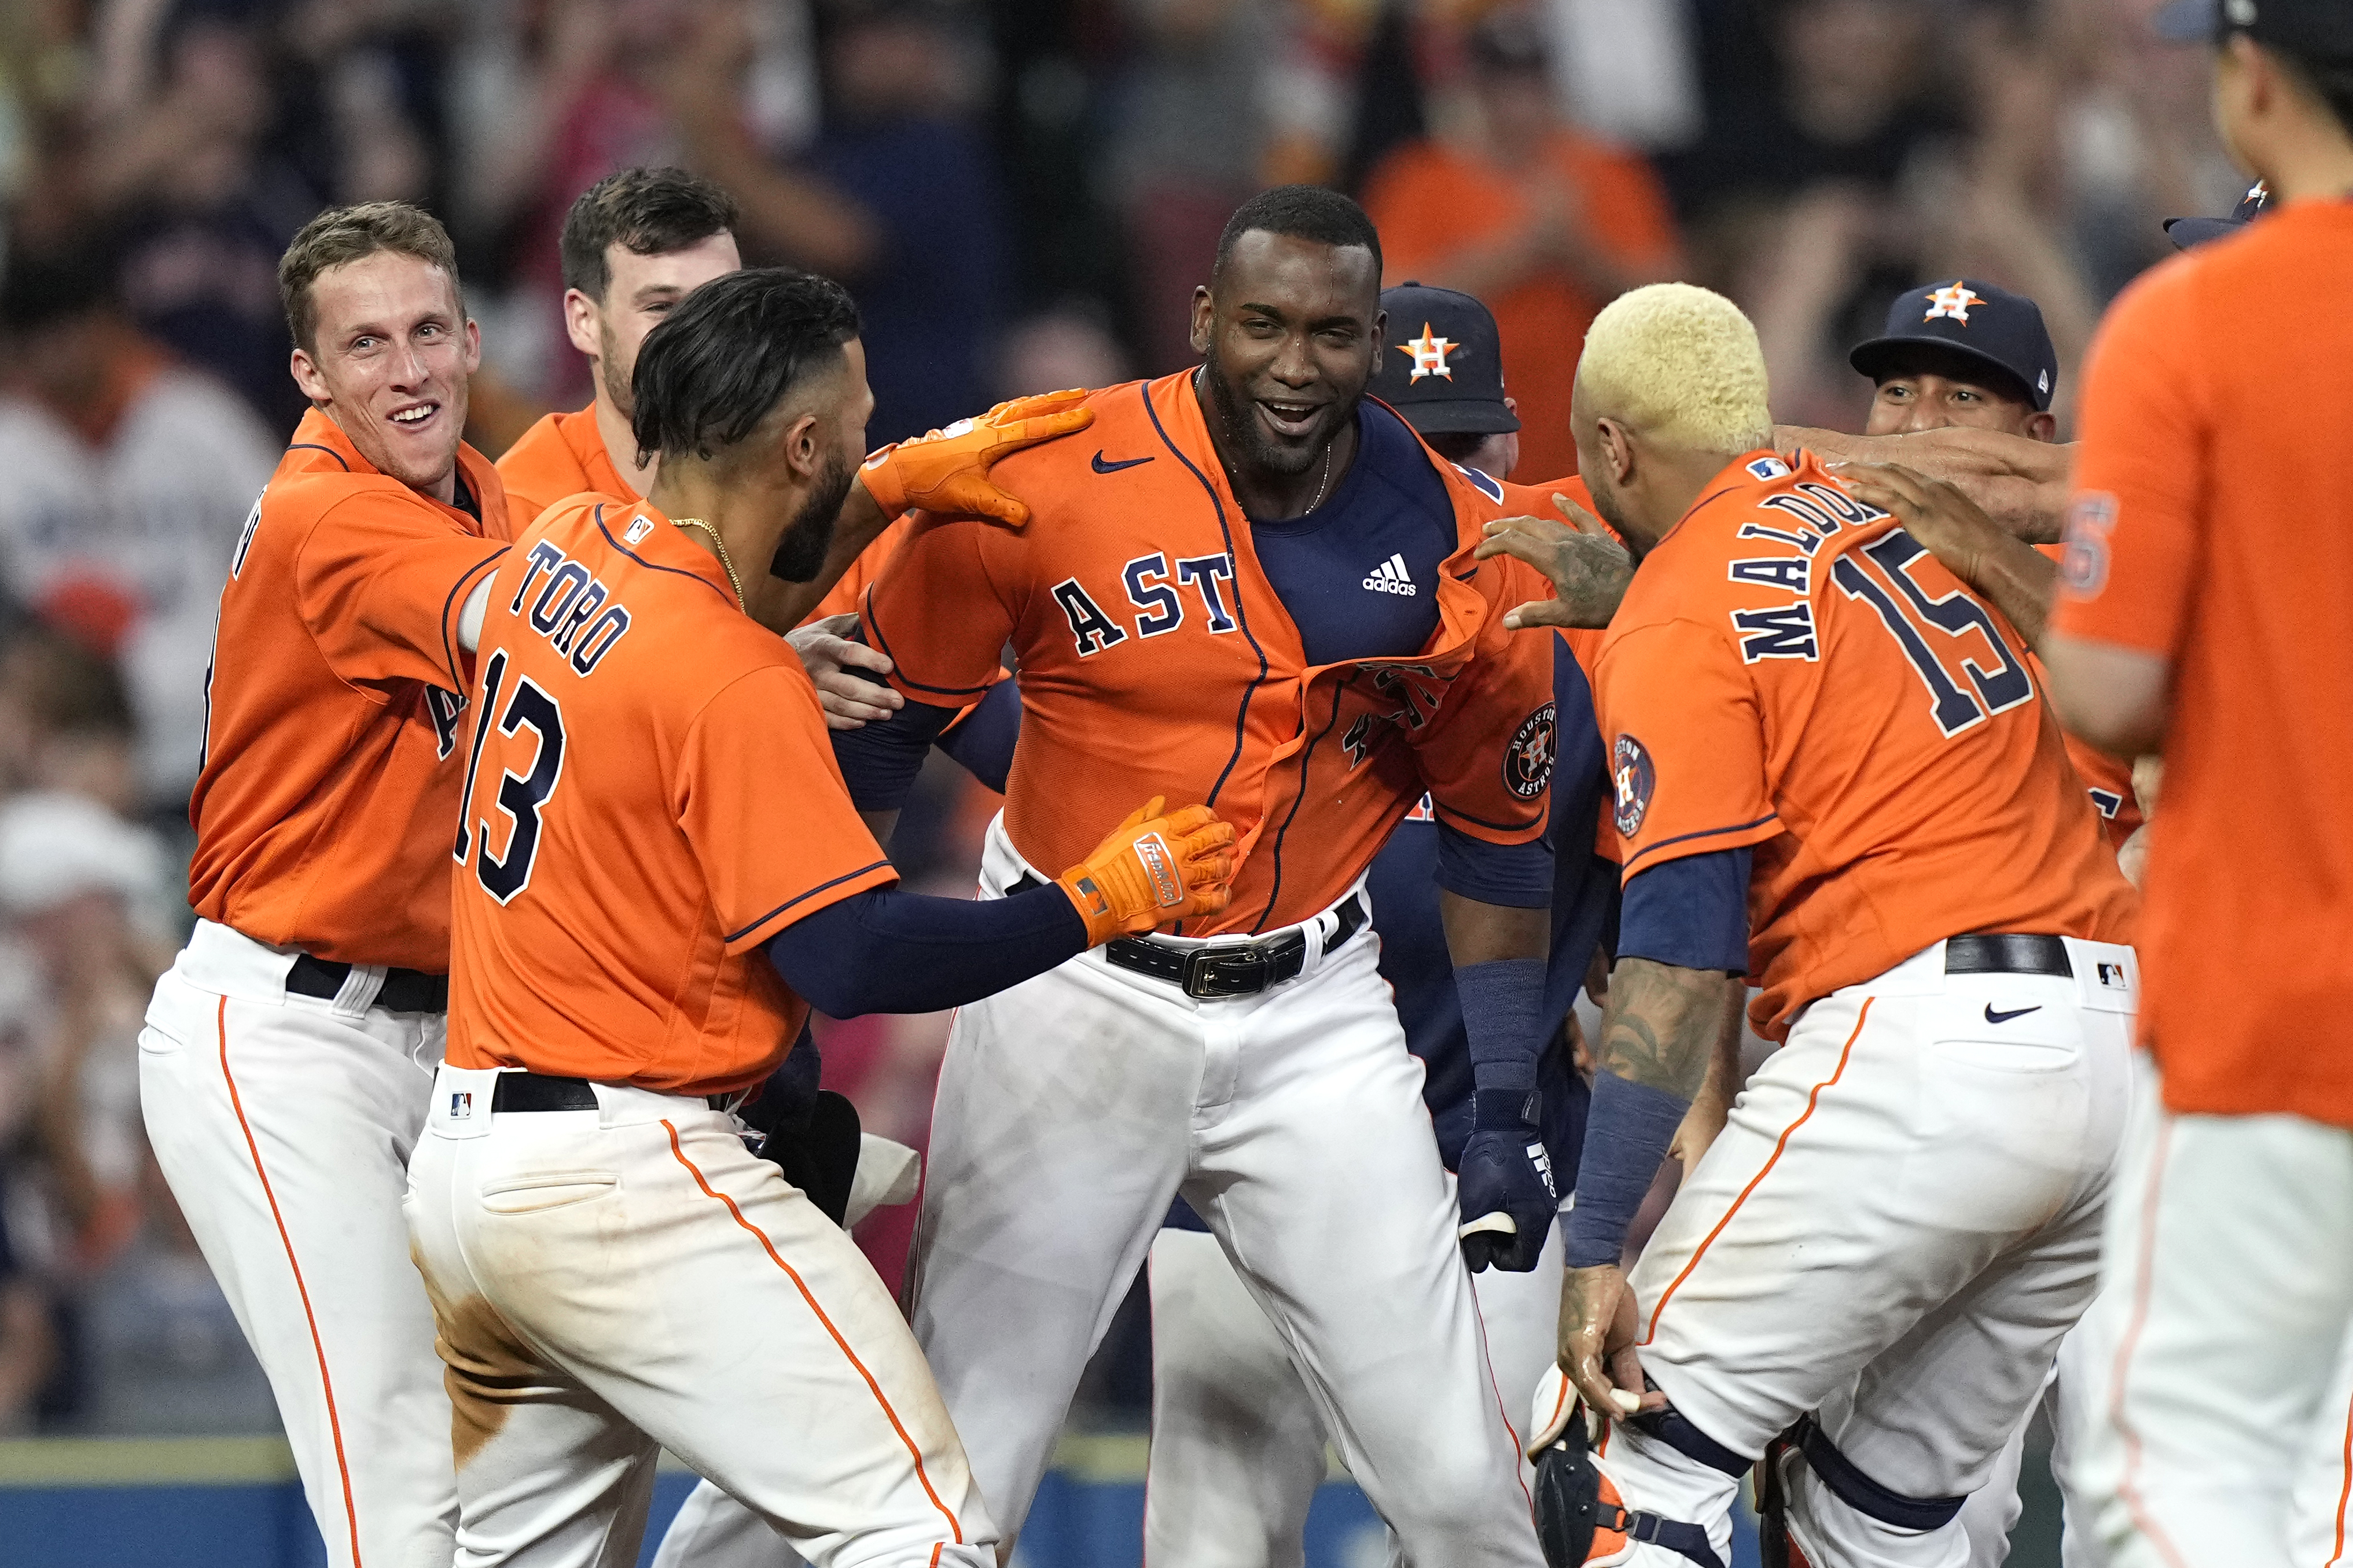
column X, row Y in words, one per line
column 634, row 244
column 657, row 863
column 1238, row 1449
column 2205, row 611
column 1832, row 769
column 1251, row 586
column 288, row 1051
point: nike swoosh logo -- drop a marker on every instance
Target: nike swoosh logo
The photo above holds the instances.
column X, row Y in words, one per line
column 1104, row 468
column 1994, row 1018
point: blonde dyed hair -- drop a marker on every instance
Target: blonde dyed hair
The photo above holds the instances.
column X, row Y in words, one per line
column 1681, row 366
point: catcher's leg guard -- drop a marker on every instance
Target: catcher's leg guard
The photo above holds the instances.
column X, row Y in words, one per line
column 1806, row 1443
column 1580, row 1517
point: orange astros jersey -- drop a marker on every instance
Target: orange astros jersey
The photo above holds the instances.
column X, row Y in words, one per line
column 1154, row 658
column 650, row 797
column 333, row 733
column 564, row 455
column 1791, row 671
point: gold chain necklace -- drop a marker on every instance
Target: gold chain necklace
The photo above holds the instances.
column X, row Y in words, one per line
column 720, row 545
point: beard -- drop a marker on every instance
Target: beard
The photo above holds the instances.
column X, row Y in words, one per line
column 1612, row 510
column 608, row 366
column 809, row 538
column 1251, row 445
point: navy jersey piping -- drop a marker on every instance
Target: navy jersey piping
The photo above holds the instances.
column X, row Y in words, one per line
column 1703, row 833
column 656, row 566
column 1307, row 756
column 883, row 643
column 742, row 930
column 314, row 446
column 1241, row 711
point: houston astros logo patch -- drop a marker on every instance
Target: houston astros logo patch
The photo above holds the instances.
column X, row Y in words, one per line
column 1954, row 302
column 1430, row 354
column 1527, row 761
column 1631, row 779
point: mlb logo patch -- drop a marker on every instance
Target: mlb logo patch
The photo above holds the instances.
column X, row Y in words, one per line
column 2113, row 976
column 638, row 528
column 462, row 1105
column 1769, row 469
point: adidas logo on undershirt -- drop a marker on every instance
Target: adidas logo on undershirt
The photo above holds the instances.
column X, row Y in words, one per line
column 1391, row 577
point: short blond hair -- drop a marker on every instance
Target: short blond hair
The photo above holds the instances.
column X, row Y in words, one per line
column 1680, row 365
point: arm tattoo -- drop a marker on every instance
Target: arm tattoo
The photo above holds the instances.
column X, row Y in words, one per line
column 1664, row 1024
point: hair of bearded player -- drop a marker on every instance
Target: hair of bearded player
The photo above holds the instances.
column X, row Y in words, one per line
column 730, row 353
column 1680, row 366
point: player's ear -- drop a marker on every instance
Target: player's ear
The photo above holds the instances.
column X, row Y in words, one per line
column 1380, row 338
column 804, row 451
column 1616, row 450
column 1205, row 319
column 2042, row 427
column 473, row 345
column 307, row 377
column 580, row 323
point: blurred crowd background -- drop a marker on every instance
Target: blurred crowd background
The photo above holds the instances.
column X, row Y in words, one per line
column 1022, row 195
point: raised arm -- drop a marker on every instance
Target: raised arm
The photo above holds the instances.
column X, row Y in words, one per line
column 2020, row 483
column 2019, row 579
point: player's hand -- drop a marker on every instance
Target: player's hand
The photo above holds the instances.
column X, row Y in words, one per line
column 1597, row 1342
column 1586, row 566
column 1949, row 525
column 947, row 470
column 1504, row 1183
column 1153, row 869
column 829, row 657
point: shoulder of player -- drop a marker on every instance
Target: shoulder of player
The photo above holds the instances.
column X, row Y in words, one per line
column 1063, row 481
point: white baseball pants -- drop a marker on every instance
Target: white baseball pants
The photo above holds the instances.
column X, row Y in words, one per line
column 282, row 1124
column 1236, row 1445
column 1892, row 1233
column 2226, row 1409
column 614, row 1281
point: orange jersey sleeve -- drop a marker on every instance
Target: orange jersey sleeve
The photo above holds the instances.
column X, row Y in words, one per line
column 378, row 582
column 1487, row 758
column 561, row 456
column 761, row 729
column 651, row 796
column 936, row 608
column 2133, row 546
column 1684, row 734
column 333, row 722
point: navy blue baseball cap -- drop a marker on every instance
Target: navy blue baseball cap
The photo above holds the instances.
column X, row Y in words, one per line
column 1976, row 321
column 2316, row 30
column 2186, row 232
column 1442, row 366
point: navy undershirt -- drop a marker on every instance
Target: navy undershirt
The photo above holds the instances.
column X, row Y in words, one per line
column 1692, row 912
column 1389, row 522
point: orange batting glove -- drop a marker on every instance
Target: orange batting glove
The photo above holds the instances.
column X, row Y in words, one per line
column 1153, row 870
column 947, row 470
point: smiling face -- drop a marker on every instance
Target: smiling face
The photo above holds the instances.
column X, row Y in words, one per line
column 391, row 357
column 1292, row 333
column 1922, row 389
column 638, row 292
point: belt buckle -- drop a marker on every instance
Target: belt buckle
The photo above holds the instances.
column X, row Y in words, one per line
column 1235, row 969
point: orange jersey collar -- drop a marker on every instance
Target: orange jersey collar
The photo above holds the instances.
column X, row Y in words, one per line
column 330, row 448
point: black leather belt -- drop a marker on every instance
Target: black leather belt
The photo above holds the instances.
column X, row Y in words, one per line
column 540, row 1091
column 1221, row 970
column 2007, row 953
column 405, row 990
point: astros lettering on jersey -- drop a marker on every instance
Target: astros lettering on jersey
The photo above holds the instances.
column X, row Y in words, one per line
column 1937, row 788
column 1154, row 659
